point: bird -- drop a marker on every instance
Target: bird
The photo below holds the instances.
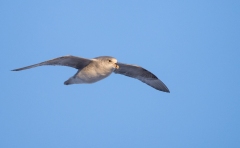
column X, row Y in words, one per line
column 98, row 68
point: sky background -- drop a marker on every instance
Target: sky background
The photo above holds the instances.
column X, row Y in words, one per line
column 192, row 46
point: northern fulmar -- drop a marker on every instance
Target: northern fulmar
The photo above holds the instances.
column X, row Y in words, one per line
column 93, row 70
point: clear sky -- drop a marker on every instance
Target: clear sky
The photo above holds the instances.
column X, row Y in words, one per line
column 192, row 46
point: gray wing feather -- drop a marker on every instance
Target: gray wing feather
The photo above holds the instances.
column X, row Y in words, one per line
column 71, row 61
column 141, row 74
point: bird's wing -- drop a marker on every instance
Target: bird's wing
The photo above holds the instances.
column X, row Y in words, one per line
column 71, row 61
column 141, row 74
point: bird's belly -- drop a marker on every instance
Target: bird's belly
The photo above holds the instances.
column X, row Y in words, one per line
column 91, row 76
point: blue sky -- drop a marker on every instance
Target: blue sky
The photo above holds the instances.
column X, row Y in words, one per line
column 192, row 46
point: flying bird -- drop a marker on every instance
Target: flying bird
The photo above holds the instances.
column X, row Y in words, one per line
column 93, row 70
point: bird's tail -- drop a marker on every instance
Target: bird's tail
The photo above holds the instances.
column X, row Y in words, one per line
column 69, row 81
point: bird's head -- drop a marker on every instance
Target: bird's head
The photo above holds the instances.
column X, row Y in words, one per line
column 108, row 61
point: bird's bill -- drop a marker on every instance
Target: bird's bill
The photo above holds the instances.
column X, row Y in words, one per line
column 117, row 66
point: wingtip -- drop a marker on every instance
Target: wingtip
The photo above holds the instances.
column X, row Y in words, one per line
column 166, row 90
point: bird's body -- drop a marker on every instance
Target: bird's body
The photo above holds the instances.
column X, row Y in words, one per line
column 94, row 72
column 96, row 69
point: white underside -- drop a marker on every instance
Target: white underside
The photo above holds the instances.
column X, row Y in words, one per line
column 90, row 74
column 85, row 79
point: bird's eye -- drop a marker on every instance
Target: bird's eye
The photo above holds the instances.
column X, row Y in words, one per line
column 109, row 60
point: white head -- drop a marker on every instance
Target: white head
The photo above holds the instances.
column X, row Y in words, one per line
column 108, row 61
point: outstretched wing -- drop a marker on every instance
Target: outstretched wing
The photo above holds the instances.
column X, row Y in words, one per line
column 71, row 61
column 142, row 75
